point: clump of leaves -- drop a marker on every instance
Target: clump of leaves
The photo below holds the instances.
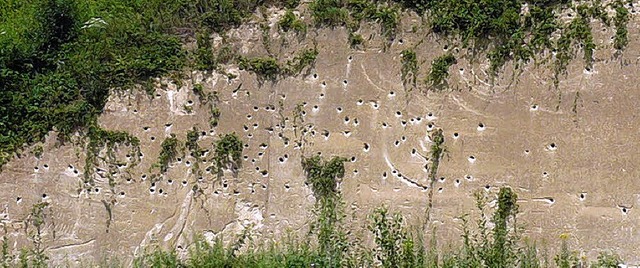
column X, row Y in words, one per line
column 198, row 89
column 290, row 22
column 395, row 246
column 264, row 68
column 215, row 116
column 204, row 58
column 301, row 61
column 228, row 151
column 620, row 21
column 100, row 139
column 170, row 149
column 409, row 67
column 323, row 175
column 440, row 70
column 329, row 12
column 192, row 140
column 355, row 40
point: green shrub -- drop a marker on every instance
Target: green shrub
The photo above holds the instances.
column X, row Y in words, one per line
column 322, row 176
column 170, row 150
column 355, row 40
column 440, row 70
column 620, row 21
column 329, row 12
column 264, row 68
column 290, row 22
column 228, row 151
column 301, row 61
column 395, row 247
column 409, row 67
column 204, row 58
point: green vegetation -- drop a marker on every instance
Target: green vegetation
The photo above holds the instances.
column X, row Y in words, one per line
column 171, row 148
column 301, row 61
column 355, row 40
column 329, row 12
column 204, row 57
column 440, row 71
column 215, row 116
column 620, row 21
column 290, row 22
column 268, row 68
column 100, row 139
column 265, row 68
column 323, row 175
column 394, row 245
column 351, row 13
column 409, row 67
column 192, row 145
column 228, row 151
column 60, row 59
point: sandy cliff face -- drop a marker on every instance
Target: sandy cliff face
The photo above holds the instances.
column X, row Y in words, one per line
column 569, row 152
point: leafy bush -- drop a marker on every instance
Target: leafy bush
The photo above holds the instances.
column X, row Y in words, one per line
column 170, row 149
column 440, row 70
column 409, row 67
column 395, row 247
column 329, row 12
column 355, row 40
column 305, row 59
column 264, row 68
column 290, row 22
column 323, row 175
column 621, row 19
column 228, row 151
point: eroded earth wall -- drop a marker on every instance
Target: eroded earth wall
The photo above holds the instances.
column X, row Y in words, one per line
column 570, row 152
